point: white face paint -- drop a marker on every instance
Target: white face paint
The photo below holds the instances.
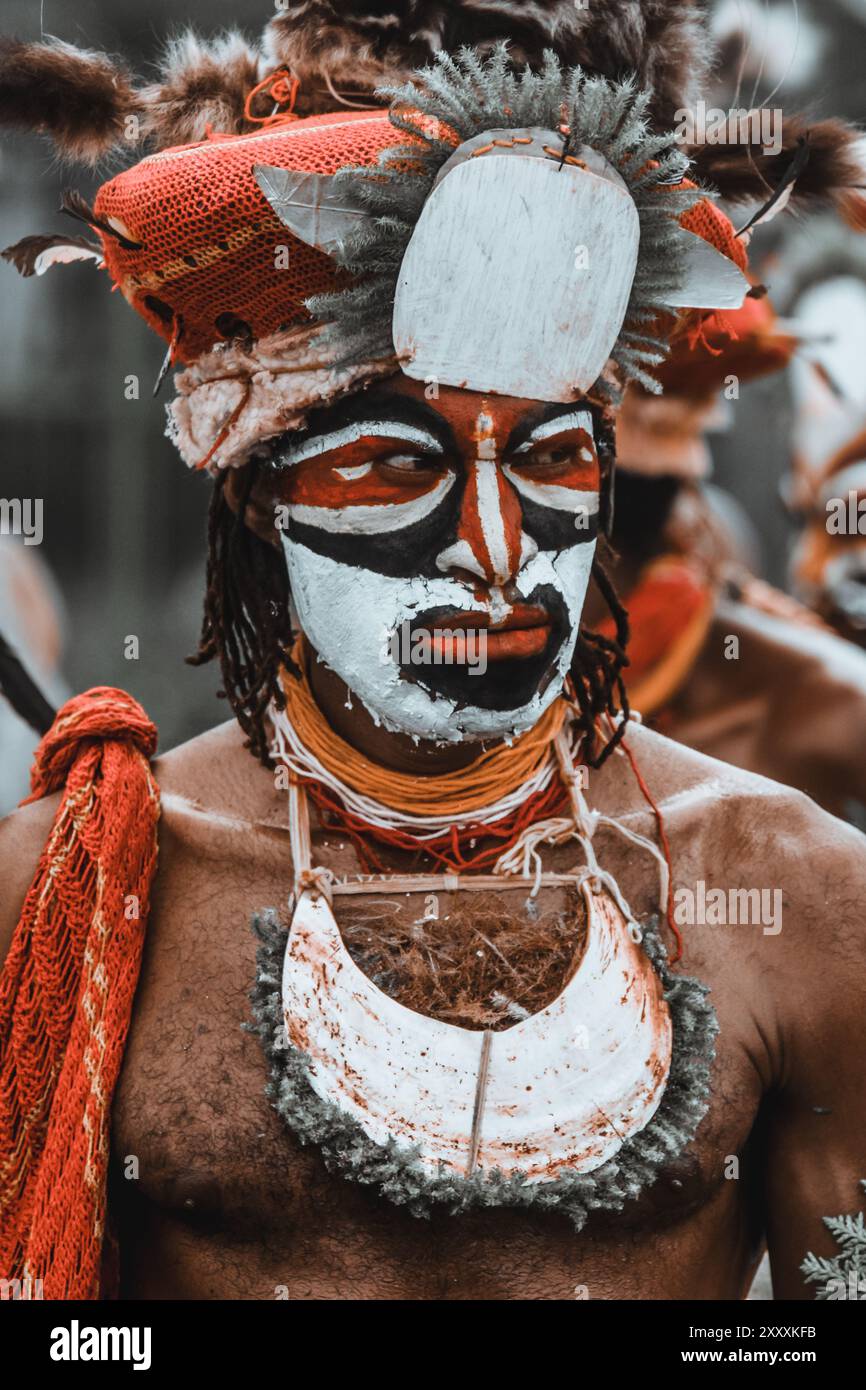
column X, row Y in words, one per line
column 478, row 548
column 349, row 616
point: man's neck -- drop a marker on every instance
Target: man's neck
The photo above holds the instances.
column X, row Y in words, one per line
column 349, row 718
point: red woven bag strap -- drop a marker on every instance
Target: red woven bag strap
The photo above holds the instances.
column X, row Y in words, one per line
column 67, row 988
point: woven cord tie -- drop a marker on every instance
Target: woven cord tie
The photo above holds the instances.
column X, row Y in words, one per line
column 101, row 713
column 66, row 993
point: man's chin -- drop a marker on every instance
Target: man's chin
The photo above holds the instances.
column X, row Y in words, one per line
column 504, row 687
column 467, row 708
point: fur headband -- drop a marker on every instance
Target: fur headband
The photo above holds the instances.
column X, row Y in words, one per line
column 90, row 106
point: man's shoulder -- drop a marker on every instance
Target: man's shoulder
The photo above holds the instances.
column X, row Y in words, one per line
column 23, row 834
column 750, row 818
column 215, row 800
column 736, row 829
column 220, row 805
column 216, row 772
column 690, row 785
column 819, row 659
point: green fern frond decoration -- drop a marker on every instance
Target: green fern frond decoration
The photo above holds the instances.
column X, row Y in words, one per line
column 844, row 1276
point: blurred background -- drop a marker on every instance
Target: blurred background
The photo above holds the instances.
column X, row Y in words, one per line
column 124, row 521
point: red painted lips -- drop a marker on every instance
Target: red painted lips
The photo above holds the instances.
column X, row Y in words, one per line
column 523, row 633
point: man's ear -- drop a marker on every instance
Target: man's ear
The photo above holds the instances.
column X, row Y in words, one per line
column 247, row 492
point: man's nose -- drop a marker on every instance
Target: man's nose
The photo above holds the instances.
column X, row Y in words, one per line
column 491, row 542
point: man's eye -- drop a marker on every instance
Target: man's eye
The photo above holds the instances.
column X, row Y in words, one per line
column 563, row 456
column 560, row 455
column 407, row 465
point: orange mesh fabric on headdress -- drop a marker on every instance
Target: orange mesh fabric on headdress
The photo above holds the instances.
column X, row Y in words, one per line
column 745, row 342
column 207, row 268
column 66, row 992
column 208, row 236
column 710, row 223
column 706, row 220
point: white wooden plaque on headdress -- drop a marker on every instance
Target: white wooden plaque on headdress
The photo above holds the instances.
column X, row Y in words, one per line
column 517, row 277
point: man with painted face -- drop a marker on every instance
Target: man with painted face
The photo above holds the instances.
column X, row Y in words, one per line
column 519, row 966
column 460, row 512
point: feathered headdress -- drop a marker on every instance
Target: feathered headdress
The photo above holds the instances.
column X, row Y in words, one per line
column 339, row 53
column 208, row 238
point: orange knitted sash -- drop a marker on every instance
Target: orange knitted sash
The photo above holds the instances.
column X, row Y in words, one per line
column 66, row 992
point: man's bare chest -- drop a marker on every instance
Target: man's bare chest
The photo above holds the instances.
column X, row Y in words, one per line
column 204, row 1163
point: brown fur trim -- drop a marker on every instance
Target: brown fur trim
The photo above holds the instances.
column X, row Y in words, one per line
column 201, row 83
column 743, row 173
column 356, row 46
column 79, row 98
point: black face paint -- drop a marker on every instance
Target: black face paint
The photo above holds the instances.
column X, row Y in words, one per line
column 397, row 529
column 406, row 550
column 505, row 684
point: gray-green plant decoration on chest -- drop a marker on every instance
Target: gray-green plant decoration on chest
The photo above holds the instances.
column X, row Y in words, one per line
column 843, row 1277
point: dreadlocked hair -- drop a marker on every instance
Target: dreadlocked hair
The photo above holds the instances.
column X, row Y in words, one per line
column 596, row 674
column 246, row 624
column 596, row 669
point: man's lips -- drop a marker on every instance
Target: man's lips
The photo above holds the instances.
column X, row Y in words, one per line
column 523, row 633
column 520, row 615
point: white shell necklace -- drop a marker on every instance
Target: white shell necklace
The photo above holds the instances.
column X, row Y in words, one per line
column 557, row 1093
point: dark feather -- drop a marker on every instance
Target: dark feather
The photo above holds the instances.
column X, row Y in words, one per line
column 23, row 255
column 71, row 202
column 792, row 174
column 80, row 98
column 22, row 692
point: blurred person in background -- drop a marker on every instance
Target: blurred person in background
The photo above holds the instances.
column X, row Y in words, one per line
column 472, row 497
column 720, row 660
column 32, row 619
column 823, row 274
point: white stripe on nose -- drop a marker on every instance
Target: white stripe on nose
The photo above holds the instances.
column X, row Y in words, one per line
column 491, row 518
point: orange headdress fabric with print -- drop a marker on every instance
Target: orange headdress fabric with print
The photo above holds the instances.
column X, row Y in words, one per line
column 200, row 251
column 203, row 257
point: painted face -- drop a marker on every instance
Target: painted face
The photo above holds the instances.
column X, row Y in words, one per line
column 439, row 553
